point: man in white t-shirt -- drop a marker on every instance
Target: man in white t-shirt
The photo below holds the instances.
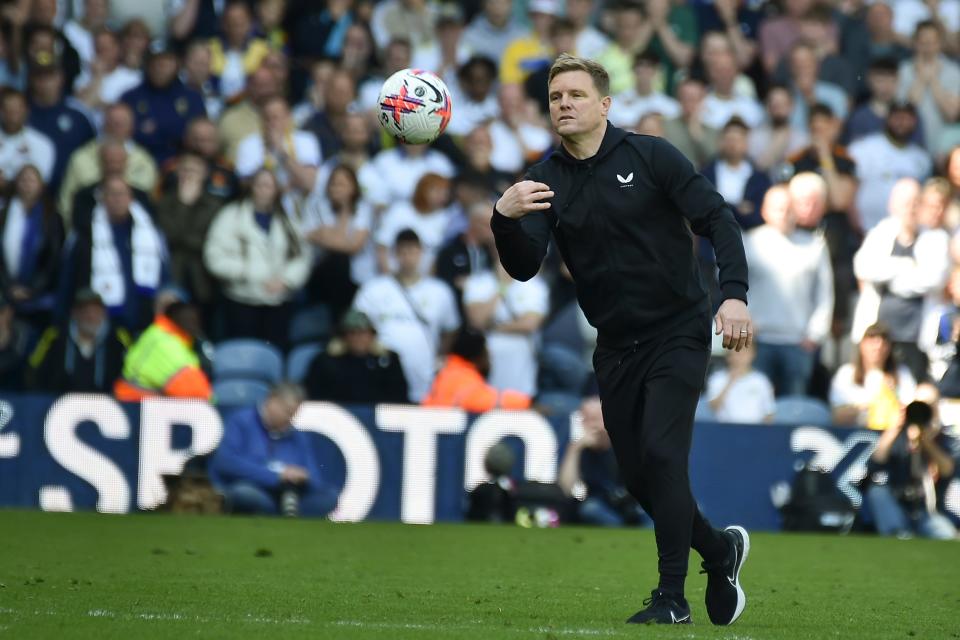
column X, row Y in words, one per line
column 723, row 102
column 107, row 78
column 629, row 106
column 883, row 159
column 399, row 170
column 518, row 135
column 739, row 393
column 415, row 316
column 591, row 42
column 21, row 145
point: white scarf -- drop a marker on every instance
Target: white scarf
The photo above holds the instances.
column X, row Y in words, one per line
column 106, row 272
column 13, row 236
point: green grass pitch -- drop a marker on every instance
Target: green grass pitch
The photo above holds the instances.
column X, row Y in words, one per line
column 159, row 576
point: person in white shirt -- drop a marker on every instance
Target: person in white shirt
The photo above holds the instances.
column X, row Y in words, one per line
column 884, row 158
column 80, row 30
column 791, row 294
column 518, row 136
column 902, row 268
column 722, row 103
column 510, row 313
column 397, row 55
column 447, row 51
column 738, row 392
column 629, row 106
column 491, row 31
column 107, row 78
column 428, row 214
column 473, row 96
column 591, row 42
column 21, row 145
column 415, row 316
column 808, row 90
column 398, row 170
column 909, row 15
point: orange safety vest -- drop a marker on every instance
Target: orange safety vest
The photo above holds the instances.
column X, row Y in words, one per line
column 459, row 384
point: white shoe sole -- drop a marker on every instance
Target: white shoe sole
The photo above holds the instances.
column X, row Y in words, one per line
column 741, row 596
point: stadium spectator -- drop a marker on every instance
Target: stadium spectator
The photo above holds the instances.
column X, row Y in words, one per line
column 201, row 140
column 474, row 96
column 42, row 33
column 532, row 51
column 185, row 212
column 86, row 356
column 236, row 53
column 518, row 136
column 510, row 313
column 871, row 390
column 414, row 315
column 357, row 136
column 468, row 253
column 870, row 117
column 15, row 341
column 902, row 267
column 462, row 380
column 56, row 115
column 673, row 36
column 930, row 81
column 562, row 40
column 396, row 56
column 883, row 158
column 398, row 171
column 355, row 368
column 121, row 255
column 590, row 41
column 714, row 44
column 163, row 362
column 809, row 89
column 791, row 294
column 492, row 30
column 688, row 132
column 446, row 51
column 265, row 466
column 738, row 21
column 631, row 35
column 86, row 166
column 81, row 29
column 883, row 40
column 912, row 455
column 723, row 101
column 108, row 77
column 822, row 32
column 650, row 124
column 243, row 119
column 197, row 74
column 269, row 23
column 589, row 466
column 318, row 30
column 480, row 152
column 338, row 226
column 735, row 177
column 162, row 106
column 778, row 34
column 941, row 327
column 428, row 214
column 21, row 144
column 642, row 98
column 261, row 259
column 771, row 143
column 33, row 236
column 413, row 19
column 738, row 392
column 328, row 124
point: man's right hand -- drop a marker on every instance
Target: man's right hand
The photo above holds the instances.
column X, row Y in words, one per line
column 292, row 474
column 524, row 197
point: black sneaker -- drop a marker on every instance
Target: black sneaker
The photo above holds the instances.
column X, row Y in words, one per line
column 725, row 599
column 662, row 608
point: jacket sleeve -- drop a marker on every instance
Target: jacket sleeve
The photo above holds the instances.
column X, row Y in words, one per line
column 222, row 252
column 931, row 269
column 708, row 214
column 231, row 462
column 873, row 261
column 189, row 382
column 818, row 327
column 522, row 244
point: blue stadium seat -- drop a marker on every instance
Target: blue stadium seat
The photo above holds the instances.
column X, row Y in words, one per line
column 298, row 362
column 802, row 410
column 239, row 393
column 247, row 359
column 313, row 324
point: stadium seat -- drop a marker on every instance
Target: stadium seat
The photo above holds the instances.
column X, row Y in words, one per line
column 247, row 360
column 313, row 324
column 239, row 393
column 298, row 362
column 802, row 410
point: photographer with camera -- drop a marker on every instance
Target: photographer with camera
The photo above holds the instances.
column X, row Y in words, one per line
column 913, row 457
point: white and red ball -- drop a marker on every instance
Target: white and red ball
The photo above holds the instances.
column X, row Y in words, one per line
column 414, row 106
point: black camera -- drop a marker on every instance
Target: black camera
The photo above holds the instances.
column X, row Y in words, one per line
column 918, row 413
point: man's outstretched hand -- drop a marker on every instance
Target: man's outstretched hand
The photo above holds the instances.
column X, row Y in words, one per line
column 524, row 197
column 733, row 321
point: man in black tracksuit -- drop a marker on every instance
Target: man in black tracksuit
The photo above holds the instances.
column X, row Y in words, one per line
column 621, row 208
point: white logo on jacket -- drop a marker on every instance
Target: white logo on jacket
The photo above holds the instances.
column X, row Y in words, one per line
column 625, row 182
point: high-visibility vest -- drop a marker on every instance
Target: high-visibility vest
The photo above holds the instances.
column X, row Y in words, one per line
column 459, row 384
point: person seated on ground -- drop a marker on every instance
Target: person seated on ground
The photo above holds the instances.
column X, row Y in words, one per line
column 356, row 368
column 162, row 362
column 265, row 466
column 739, row 393
column 912, row 455
column 871, row 390
column 590, row 466
column 462, row 380
column 87, row 357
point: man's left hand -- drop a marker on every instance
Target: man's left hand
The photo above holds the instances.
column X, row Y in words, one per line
column 733, row 321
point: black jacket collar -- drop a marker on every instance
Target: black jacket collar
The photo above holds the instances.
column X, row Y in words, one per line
column 611, row 138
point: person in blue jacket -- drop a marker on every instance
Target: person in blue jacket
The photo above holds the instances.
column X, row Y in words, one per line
column 162, row 106
column 264, row 466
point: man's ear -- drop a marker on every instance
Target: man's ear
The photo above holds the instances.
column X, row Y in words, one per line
column 605, row 104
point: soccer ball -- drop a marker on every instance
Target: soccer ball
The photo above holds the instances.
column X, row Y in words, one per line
column 415, row 106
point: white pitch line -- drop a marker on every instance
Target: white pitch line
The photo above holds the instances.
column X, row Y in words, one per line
column 400, row 626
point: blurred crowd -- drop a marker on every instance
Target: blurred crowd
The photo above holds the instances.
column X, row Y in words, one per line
column 182, row 173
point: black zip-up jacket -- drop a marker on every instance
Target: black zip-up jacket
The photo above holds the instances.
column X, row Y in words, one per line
column 622, row 221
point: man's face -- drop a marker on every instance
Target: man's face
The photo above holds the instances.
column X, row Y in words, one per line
column 89, row 317
column 824, row 129
column 931, row 208
column 107, row 49
column 397, row 57
column 879, row 19
column 117, row 200
column 47, row 87
column 902, row 204
column 118, row 122
column 779, row 106
column 477, row 82
column 690, row 96
column 113, row 160
column 408, row 258
column 162, row 70
column 261, row 85
column 359, row 341
column 278, row 412
column 202, row 138
column 807, row 206
column 579, row 11
column 576, row 106
column 927, row 43
column 883, row 85
column 340, row 93
column 733, row 145
column 629, row 23
column 14, row 113
column 901, row 124
column 803, row 66
column 497, row 11
column 643, row 74
column 276, row 116
column 95, row 11
column 356, row 132
column 776, row 209
column 236, row 23
column 192, row 168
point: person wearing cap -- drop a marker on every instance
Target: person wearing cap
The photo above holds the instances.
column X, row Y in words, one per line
column 21, row 144
column 14, row 344
column 56, row 115
column 883, row 158
column 163, row 362
column 533, row 51
column 84, row 357
column 162, row 106
column 355, row 368
column 462, row 382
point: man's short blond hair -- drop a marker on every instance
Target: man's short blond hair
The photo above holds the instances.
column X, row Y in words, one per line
column 565, row 62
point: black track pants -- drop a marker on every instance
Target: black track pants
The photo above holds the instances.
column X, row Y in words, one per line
column 649, row 394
